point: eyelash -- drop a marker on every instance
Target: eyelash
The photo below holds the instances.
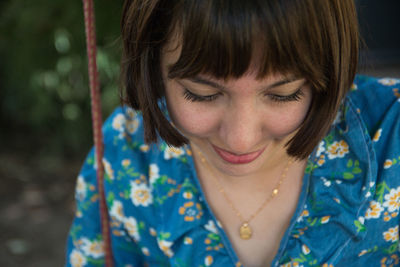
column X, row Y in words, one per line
column 296, row 96
column 197, row 98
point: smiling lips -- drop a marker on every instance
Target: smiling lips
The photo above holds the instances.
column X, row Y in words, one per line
column 238, row 159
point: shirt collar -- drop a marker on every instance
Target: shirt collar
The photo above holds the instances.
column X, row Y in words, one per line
column 342, row 172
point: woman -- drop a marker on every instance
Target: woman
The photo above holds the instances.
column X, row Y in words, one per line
column 250, row 144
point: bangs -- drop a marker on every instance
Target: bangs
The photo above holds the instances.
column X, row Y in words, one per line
column 228, row 38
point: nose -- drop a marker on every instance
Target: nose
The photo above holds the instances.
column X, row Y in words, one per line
column 242, row 128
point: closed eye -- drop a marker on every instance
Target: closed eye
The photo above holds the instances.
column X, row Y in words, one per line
column 296, row 96
column 200, row 98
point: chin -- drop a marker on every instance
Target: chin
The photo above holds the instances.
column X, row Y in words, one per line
column 238, row 170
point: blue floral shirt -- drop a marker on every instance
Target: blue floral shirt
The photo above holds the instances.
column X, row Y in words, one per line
column 347, row 213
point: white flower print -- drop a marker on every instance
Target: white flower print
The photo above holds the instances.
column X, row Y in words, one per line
column 108, row 169
column 210, row 226
column 165, row 247
column 291, row 264
column 126, row 162
column 388, row 81
column 188, row 241
column 392, row 202
column 173, row 152
column 145, row 251
column 377, row 135
column 118, row 122
column 152, row 231
column 374, row 210
column 363, row 252
column 78, row 214
column 208, row 260
column 325, row 219
column 144, row 148
column 81, row 188
column 305, row 249
column 326, row 182
column 153, row 173
column 141, row 194
column 187, row 195
column 77, row 259
column 338, row 149
column 304, row 214
column 132, row 125
column 130, row 113
column 392, row 234
column 131, row 226
column 321, row 148
column 117, row 210
column 92, row 248
column 388, row 163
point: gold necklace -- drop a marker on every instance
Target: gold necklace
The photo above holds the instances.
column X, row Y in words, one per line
column 245, row 230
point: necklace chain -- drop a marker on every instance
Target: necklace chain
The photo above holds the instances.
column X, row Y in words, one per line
column 245, row 230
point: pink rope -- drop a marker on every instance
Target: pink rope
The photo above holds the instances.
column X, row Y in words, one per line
column 97, row 123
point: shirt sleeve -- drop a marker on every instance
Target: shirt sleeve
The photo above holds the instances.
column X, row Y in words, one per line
column 377, row 99
column 85, row 241
column 378, row 102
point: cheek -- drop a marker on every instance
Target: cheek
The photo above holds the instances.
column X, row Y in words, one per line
column 191, row 120
column 282, row 124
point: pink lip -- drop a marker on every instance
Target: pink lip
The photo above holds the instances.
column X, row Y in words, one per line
column 238, row 159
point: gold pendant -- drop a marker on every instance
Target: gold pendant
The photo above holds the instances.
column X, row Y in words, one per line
column 245, row 231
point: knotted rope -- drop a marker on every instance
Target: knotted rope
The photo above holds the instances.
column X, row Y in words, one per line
column 97, row 123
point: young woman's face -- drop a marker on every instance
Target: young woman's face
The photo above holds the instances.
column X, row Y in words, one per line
column 240, row 125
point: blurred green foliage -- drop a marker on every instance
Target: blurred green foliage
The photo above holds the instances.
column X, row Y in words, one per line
column 44, row 92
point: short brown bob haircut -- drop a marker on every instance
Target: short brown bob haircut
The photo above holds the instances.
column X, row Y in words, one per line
column 312, row 39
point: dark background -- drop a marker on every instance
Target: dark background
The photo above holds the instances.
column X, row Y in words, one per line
column 380, row 28
column 45, row 127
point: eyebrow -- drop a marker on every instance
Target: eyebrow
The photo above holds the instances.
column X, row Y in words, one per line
column 215, row 85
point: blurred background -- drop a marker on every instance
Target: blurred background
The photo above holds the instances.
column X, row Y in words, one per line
column 45, row 123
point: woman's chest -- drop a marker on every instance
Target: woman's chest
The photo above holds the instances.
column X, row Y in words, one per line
column 262, row 247
column 267, row 232
column 267, row 224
